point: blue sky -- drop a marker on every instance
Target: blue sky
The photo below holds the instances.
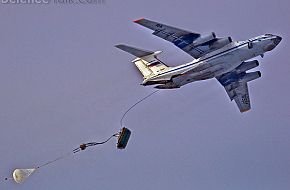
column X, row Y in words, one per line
column 63, row 83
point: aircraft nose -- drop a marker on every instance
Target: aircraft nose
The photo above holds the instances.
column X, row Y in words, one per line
column 277, row 40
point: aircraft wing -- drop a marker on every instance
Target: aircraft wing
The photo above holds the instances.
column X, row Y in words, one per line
column 192, row 43
column 239, row 92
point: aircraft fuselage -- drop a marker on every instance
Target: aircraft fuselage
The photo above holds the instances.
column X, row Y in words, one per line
column 214, row 63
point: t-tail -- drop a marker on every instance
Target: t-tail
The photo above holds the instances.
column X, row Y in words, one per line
column 147, row 62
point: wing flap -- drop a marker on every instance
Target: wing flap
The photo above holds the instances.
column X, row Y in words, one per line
column 237, row 91
column 181, row 38
column 164, row 31
column 241, row 97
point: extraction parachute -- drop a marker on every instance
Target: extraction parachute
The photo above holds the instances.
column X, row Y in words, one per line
column 20, row 175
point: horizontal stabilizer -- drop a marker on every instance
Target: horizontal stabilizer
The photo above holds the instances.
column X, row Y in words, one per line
column 134, row 51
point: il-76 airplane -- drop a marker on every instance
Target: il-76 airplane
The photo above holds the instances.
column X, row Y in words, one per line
column 219, row 58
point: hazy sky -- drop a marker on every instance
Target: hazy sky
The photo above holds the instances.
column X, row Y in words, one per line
column 63, row 83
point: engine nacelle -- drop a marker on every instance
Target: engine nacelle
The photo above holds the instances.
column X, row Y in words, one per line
column 219, row 43
column 204, row 39
column 250, row 76
column 247, row 66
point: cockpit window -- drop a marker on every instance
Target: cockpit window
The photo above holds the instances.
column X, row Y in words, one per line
column 268, row 34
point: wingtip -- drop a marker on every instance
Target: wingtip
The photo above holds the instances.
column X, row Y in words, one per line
column 119, row 46
column 138, row 20
column 245, row 110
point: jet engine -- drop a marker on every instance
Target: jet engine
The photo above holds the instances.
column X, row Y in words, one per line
column 247, row 66
column 204, row 39
column 219, row 43
column 250, row 76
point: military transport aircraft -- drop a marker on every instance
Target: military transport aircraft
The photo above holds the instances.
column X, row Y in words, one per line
column 219, row 58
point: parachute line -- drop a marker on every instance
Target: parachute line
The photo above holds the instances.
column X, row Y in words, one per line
column 141, row 100
column 81, row 147
column 84, row 146
column 52, row 161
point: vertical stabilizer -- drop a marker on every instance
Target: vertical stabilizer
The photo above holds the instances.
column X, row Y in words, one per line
column 146, row 61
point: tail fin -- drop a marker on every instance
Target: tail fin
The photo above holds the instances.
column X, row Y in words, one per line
column 146, row 61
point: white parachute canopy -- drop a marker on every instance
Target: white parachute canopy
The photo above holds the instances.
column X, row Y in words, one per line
column 20, row 175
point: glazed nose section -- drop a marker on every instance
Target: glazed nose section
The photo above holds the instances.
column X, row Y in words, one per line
column 277, row 40
column 274, row 42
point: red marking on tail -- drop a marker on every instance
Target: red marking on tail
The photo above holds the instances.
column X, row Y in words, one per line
column 138, row 20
